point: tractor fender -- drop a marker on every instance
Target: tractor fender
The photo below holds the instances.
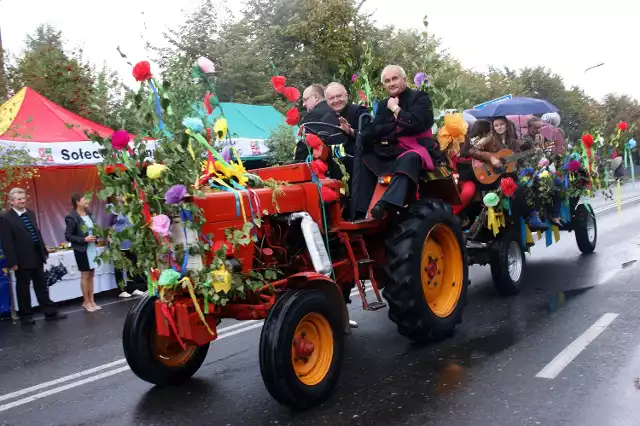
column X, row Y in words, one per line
column 316, row 281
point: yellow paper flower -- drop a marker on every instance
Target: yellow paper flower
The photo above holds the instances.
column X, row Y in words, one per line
column 154, row 171
column 452, row 132
column 544, row 174
column 220, row 128
column 221, row 280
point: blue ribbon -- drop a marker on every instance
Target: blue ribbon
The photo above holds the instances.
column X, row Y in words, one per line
column 548, row 234
column 235, row 194
column 158, row 105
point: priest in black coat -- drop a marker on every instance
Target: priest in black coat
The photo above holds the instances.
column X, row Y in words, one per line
column 399, row 143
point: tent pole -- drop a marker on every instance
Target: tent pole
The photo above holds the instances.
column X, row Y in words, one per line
column 3, row 76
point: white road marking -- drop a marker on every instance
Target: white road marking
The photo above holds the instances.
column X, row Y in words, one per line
column 238, row 328
column 61, row 380
column 565, row 357
column 614, row 205
column 61, row 388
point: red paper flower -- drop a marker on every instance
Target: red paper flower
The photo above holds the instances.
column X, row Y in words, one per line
column 319, row 168
column 328, row 195
column 313, row 141
column 278, row 83
column 291, row 93
column 362, row 96
column 587, row 140
column 293, row 117
column 623, row 125
column 207, row 103
column 142, row 71
column 508, row 186
column 120, row 139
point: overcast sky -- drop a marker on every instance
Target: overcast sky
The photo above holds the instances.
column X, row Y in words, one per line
column 566, row 35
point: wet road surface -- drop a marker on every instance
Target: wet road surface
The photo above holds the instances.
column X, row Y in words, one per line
column 73, row 372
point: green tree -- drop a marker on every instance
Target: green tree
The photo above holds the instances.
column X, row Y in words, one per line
column 17, row 167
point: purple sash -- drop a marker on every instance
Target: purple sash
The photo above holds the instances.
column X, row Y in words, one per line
column 411, row 144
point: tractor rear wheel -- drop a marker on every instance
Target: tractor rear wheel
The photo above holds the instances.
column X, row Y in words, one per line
column 585, row 228
column 157, row 359
column 301, row 348
column 427, row 270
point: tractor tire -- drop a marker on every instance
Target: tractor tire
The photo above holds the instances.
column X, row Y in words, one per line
column 508, row 263
column 427, row 269
column 586, row 229
column 302, row 381
column 157, row 359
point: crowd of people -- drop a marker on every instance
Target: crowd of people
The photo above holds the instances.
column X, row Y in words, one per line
column 399, row 142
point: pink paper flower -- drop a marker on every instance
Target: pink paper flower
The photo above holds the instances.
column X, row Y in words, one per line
column 544, row 162
column 120, row 139
column 574, row 166
column 160, row 224
column 354, row 78
column 206, row 65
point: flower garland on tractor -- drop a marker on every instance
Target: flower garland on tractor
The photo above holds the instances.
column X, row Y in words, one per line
column 156, row 189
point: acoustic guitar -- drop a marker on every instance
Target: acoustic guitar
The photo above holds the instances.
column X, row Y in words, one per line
column 486, row 174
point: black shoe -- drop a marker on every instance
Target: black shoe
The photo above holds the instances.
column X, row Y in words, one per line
column 27, row 321
column 379, row 211
column 56, row 316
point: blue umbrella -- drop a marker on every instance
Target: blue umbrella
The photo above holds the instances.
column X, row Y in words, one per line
column 515, row 106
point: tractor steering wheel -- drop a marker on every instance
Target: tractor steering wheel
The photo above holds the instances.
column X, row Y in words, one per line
column 324, row 134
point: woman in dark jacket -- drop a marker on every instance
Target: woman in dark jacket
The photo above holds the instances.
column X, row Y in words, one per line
column 79, row 232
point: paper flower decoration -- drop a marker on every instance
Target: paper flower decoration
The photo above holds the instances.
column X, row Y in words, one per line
column 142, row 71
column 207, row 103
column 154, row 171
column 623, row 125
column 363, row 96
column 491, row 199
column 292, row 117
column 175, row 194
column 319, row 168
column 220, row 128
column 168, row 278
column 194, row 124
column 278, row 82
column 354, row 77
column 292, row 94
column 313, row 141
column 226, row 154
column 573, row 166
column 544, row 174
column 120, row 139
column 544, row 162
column 508, row 186
column 631, row 144
column 419, row 79
column 221, row 280
column 160, row 224
column 587, row 140
column 206, row 65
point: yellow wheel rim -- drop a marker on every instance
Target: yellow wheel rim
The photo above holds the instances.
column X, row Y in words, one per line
column 312, row 349
column 441, row 270
column 169, row 352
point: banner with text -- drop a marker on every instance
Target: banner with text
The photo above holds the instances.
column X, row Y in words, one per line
column 86, row 153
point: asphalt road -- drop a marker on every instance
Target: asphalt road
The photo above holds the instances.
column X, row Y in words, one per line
column 566, row 351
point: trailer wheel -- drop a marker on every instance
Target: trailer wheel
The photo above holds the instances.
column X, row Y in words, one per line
column 586, row 229
column 157, row 359
column 301, row 348
column 427, row 271
column 508, row 263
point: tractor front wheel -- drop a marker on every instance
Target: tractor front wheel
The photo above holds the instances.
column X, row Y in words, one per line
column 427, row 271
column 301, row 348
column 153, row 358
column 508, row 262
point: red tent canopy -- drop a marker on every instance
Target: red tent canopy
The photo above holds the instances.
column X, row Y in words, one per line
column 30, row 117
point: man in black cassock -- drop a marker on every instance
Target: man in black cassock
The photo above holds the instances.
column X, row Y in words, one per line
column 408, row 113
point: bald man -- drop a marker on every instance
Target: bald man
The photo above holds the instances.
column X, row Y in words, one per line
column 400, row 144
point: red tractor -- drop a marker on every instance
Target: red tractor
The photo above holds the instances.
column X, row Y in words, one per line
column 417, row 258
